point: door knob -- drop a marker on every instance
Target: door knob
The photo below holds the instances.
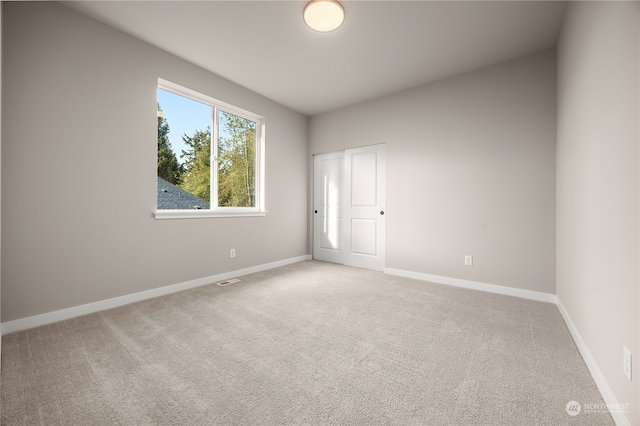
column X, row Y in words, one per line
column 316, row 211
column 382, row 212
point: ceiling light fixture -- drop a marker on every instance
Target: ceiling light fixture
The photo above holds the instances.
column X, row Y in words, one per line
column 323, row 15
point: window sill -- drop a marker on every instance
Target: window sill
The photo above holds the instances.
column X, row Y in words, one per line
column 200, row 214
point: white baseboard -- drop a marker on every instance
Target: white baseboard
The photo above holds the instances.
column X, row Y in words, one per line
column 474, row 285
column 51, row 317
column 618, row 416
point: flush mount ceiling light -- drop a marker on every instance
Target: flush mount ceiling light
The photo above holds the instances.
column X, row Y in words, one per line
column 323, row 15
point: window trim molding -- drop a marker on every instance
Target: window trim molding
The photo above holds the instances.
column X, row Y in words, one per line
column 260, row 184
column 204, row 213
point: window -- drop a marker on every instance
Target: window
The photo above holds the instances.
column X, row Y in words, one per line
column 210, row 157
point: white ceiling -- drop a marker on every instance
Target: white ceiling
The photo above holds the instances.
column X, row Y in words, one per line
column 383, row 46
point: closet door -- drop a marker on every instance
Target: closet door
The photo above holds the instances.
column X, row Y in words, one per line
column 363, row 215
column 327, row 197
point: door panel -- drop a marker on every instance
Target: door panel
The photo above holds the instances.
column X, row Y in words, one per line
column 363, row 237
column 327, row 211
column 363, row 179
column 363, row 208
column 330, row 235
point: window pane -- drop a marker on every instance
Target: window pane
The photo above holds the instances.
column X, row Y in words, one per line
column 184, row 152
column 236, row 161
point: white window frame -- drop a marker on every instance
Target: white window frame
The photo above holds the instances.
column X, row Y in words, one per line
column 214, row 210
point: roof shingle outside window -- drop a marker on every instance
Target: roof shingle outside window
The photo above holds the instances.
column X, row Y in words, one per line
column 171, row 197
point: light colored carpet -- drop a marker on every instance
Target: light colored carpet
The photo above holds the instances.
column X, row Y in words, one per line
column 310, row 343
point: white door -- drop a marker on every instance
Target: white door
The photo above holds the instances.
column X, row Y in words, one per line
column 363, row 207
column 327, row 178
column 349, row 223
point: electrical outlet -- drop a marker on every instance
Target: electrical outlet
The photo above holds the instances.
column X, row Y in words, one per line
column 468, row 260
column 626, row 362
column 232, row 253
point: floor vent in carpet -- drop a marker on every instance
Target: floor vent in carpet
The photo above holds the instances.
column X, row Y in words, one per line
column 227, row 282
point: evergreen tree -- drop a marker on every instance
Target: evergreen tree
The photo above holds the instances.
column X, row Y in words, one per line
column 196, row 178
column 168, row 167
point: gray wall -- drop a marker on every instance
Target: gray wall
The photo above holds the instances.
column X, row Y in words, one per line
column 79, row 169
column 470, row 170
column 598, row 185
column 1, row 32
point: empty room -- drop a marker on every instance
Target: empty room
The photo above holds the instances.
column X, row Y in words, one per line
column 320, row 212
